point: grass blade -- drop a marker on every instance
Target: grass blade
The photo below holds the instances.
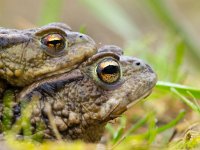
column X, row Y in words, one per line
column 180, row 88
column 185, row 100
column 172, row 123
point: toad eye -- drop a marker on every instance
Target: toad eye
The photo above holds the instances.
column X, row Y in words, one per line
column 54, row 44
column 108, row 71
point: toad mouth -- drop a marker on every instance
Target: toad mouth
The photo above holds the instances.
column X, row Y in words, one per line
column 135, row 101
column 140, row 98
column 144, row 96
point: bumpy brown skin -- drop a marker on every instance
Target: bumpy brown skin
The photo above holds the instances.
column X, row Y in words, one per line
column 80, row 104
column 23, row 59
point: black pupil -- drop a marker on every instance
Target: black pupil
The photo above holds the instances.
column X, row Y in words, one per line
column 55, row 42
column 110, row 69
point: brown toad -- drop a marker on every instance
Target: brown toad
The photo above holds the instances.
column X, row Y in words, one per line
column 34, row 54
column 78, row 104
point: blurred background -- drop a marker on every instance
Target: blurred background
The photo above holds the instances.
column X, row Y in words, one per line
column 165, row 33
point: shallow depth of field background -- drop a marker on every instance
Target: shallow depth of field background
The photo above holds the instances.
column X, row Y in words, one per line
column 165, row 33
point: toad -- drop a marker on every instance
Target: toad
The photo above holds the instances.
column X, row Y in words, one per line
column 33, row 54
column 78, row 104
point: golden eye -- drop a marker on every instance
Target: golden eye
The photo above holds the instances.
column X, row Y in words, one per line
column 54, row 44
column 108, row 71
